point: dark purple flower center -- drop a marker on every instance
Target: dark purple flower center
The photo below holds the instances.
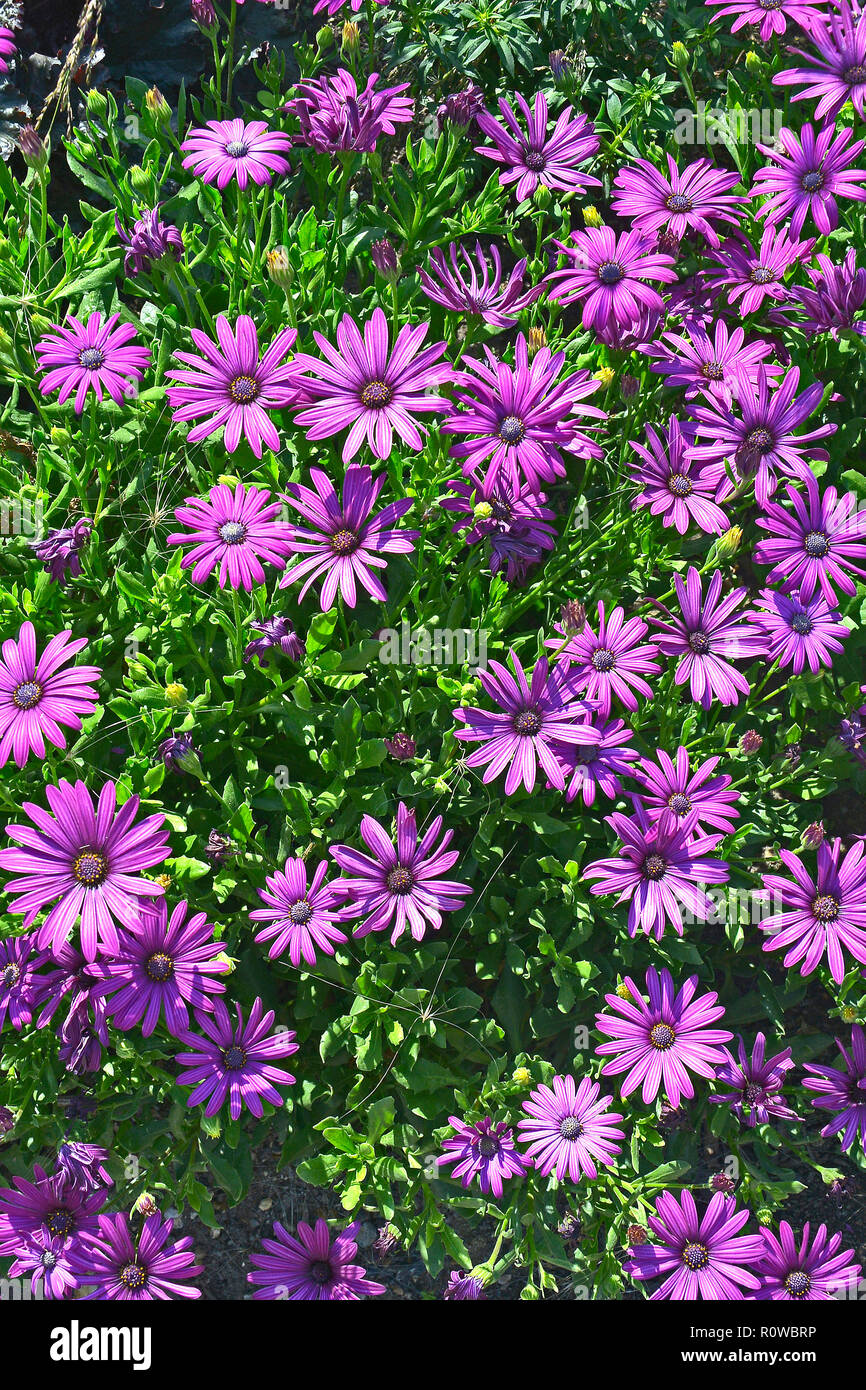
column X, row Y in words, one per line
column 770, row 4
column 300, row 913
column 812, row 182
column 855, row 75
column 534, row 160
column 321, row 1272
column 586, row 754
column 399, row 881
column 512, row 430
column 488, row 1147
column 344, row 542
column 376, row 394
column 48, row 1259
column 713, row 371
column 826, row 907
column 680, row 485
column 798, row 1283
column 60, row 1223
column 817, row 545
column 500, row 510
column 91, row 358
column 610, row 273
column 90, row 867
column 133, row 1277
column 527, row 723
column 10, row 976
column 699, row 642
column 662, row 1036
column 802, row 624
column 27, row 694
column 752, row 1092
column 761, row 440
column 678, row 202
column 234, row 1057
column 236, row 149
column 695, row 1255
column 244, row 389
column 232, row 532
column 654, row 867
column 761, row 275
column 159, row 967
column 603, row 660
column 680, row 804
column 571, row 1128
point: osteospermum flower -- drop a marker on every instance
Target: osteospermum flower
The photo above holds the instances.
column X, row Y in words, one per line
column 658, row 1043
column 772, row 15
column 707, row 362
column 19, row 961
column 471, row 288
column 818, row 545
column 235, row 531
column 608, row 272
column 673, row 789
column 399, row 886
column 843, row 1092
column 95, row 356
column 707, row 636
column 60, row 550
column 800, row 633
column 533, row 715
column 334, row 115
column 311, row 1266
column 462, row 1286
column 278, row 632
column 150, row 242
column 247, row 152
column 530, row 156
column 814, row 1272
column 134, row 1270
column 568, row 1132
column 808, row 173
column 235, row 1063
column 90, row 858
column 299, row 914
column 229, row 387
column 836, row 71
column 37, row 696
column 672, row 486
column 838, row 293
column 334, row 6
column 755, row 1083
column 691, row 200
column 703, row 1257
column 483, row 1150
column 600, row 765
column 7, row 47
column 368, row 388
column 747, row 276
column 520, row 419
column 84, row 1165
column 51, row 1205
column 659, row 871
column 609, row 663
column 344, row 541
column 514, row 522
column 817, row 917
column 45, row 1259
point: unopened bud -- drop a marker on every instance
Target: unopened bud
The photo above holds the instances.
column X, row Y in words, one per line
column 204, row 15
column 537, row 340
column 750, row 742
column 720, row 1182
column 324, row 38
column 573, row 617
column 628, row 386
column 145, row 1206
column 680, row 55
column 157, row 105
column 542, row 197
column 384, row 258
column 279, row 267
column 521, row 1076
column 730, row 541
column 139, row 178
column 351, row 41
column 813, row 835
column 592, row 217
column 96, row 103
column 34, row 149
column 753, row 63
column 175, row 694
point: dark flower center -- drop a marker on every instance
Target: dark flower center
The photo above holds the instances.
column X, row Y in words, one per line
column 534, row 160
column 812, row 182
column 300, row 913
column 133, row 1277
column 159, row 967
column 344, row 542
column 90, row 868
column 678, row 202
column 10, row 976
column 571, row 1128
column 713, row 371
column 399, row 881
column 91, row 358
column 662, row 1036
column 234, row 1057
column 695, row 1255
column 752, row 1092
column 236, row 149
column 320, row 1272
column 610, row 273
column 654, row 867
column 761, row 440
column 855, row 74
column 232, row 532
column 501, row 510
column 528, row 723
column 817, row 545
column 48, row 1259
column 376, row 394
column 680, row 485
column 798, row 1283
column 603, row 660
column 802, row 624
column 761, row 275
column 680, row 804
column 60, row 1223
column 586, row 754
column 488, row 1146
column 699, row 642
column 27, row 694
column 244, row 389
column 512, row 430
column 826, row 907
column 770, row 4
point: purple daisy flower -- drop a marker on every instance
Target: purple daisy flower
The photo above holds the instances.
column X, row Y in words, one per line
column 751, row 276
column 235, row 531
column 334, row 115
column 520, row 418
column 673, row 789
column 702, row 1256
column 483, row 1150
column 817, row 546
column 533, row 716
column 150, row 241
column 608, row 272
column 597, row 765
column 612, row 662
column 162, row 966
column 807, row 175
column 800, row 632
column 707, row 637
column 37, row 696
column 224, row 150
column 69, row 980
column 298, row 916
column 130, row 1270
column 838, row 293
column 568, row 1132
column 660, row 1042
column 843, row 1092
column 756, row 1084
column 459, row 108
column 344, row 542
column 771, row 15
column 659, row 871
column 7, row 47
column 369, row 388
column 275, row 632
column 400, row 885
column 709, row 362
column 311, row 1266
column 234, row 1063
column 179, row 754
column 91, row 859
column 91, row 357
column 462, row 1286
column 819, row 916
column 671, row 486
column 689, row 201
column 473, row 289
column 334, row 6
column 232, row 387
column 836, row 73
column 47, row 1205
column 516, row 524
column 530, row 156
column 46, row 1260
column 84, row 1165
column 60, row 550
column 815, row 1272
column 19, row 961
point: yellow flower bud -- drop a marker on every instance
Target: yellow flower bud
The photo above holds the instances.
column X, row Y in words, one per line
column 606, row 375
column 730, row 542
column 175, row 694
column 520, row 1076
column 592, row 217
column 537, row 340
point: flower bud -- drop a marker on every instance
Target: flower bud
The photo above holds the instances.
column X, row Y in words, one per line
column 606, row 375
column 764, row 1216
column 753, row 63
column 279, row 267
column 324, row 38
column 482, row 511
column 730, row 542
column 145, row 1206
column 559, row 64
column 628, row 386
column 680, row 55
column 848, row 1014
column 96, row 103
column 521, row 1076
column 542, row 197
column 537, row 340
column 750, row 742
column 62, row 438
column 139, row 178
column 720, row 1182
column 351, row 40
column 813, row 835
column 573, row 618
column 384, row 258
column 35, row 151
column 592, row 217
column 175, row 694
column 204, row 15
column 157, row 105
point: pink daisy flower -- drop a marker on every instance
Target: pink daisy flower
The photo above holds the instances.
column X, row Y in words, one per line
column 531, row 156
column 91, row 357
column 683, row 202
column 235, row 531
column 37, row 696
column 224, row 150
column 610, row 663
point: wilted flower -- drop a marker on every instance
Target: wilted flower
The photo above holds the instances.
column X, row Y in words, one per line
column 275, row 632
column 219, row 849
column 751, row 741
column 150, row 241
column 401, row 747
